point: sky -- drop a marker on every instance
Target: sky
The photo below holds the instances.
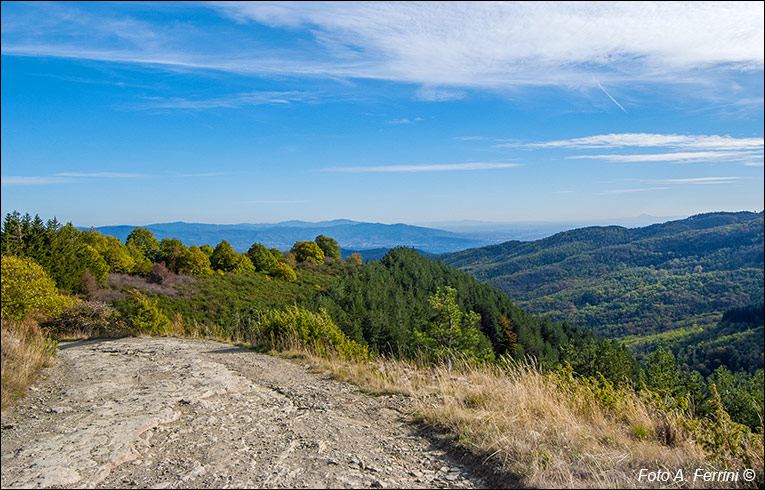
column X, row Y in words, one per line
column 231, row 112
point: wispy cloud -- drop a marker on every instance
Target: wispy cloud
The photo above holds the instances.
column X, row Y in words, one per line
column 641, row 189
column 64, row 178
column 32, row 180
column 228, row 102
column 677, row 157
column 472, row 138
column 461, row 46
column 102, row 175
column 622, row 140
column 273, row 201
column 448, row 167
column 703, row 180
column 404, row 121
column 205, row 174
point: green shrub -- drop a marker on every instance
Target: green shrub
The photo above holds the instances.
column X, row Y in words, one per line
column 28, row 291
column 284, row 271
column 143, row 315
column 296, row 328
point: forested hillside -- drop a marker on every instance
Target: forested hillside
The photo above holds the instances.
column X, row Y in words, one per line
column 384, row 305
column 680, row 275
column 59, row 282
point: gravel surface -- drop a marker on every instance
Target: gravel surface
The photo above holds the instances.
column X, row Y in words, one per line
column 183, row 413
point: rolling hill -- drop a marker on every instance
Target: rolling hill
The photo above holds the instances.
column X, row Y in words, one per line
column 349, row 234
column 618, row 281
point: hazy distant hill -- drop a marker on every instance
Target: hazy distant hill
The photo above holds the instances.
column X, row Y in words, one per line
column 349, row 234
column 641, row 281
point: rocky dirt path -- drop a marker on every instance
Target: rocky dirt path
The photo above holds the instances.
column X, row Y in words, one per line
column 182, row 413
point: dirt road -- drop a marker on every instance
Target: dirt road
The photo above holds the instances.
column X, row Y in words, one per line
column 181, row 413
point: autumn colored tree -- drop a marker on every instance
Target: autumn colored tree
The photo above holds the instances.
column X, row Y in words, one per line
column 284, row 271
column 193, row 261
column 308, row 251
column 114, row 252
column 27, row 290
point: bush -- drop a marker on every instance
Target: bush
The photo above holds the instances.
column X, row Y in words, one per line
column 284, row 271
column 159, row 273
column 296, row 328
column 86, row 319
column 28, row 291
column 143, row 315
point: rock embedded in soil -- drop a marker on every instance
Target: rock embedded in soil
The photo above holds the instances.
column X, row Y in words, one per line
column 183, row 413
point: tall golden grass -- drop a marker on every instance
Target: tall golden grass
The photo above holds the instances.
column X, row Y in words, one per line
column 553, row 429
column 25, row 352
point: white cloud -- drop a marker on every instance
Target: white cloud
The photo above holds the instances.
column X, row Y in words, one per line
column 703, row 180
column 465, row 43
column 404, row 121
column 228, row 102
column 423, row 168
column 104, row 175
column 64, row 178
column 441, row 46
column 642, row 189
column 31, row 180
column 621, row 140
column 677, row 157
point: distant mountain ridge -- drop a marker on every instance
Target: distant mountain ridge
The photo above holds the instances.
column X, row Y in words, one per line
column 357, row 235
column 640, row 281
column 349, row 235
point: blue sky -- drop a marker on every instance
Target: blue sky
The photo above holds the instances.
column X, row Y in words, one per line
column 136, row 113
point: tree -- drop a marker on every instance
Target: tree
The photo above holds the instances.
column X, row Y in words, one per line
column 661, row 373
column 144, row 240
column 226, row 259
column 142, row 264
column 114, row 252
column 207, row 249
column 354, row 260
column 193, row 261
column 243, row 264
column 93, row 262
column 262, row 258
column 453, row 332
column 169, row 252
column 308, row 251
column 329, row 246
column 12, row 239
column 284, row 271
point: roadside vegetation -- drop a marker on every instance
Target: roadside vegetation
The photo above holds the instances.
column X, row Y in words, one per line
column 542, row 402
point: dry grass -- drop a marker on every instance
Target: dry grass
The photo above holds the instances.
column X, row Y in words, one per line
column 25, row 352
column 546, row 430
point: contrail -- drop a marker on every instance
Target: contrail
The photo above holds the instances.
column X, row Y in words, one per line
column 611, row 97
